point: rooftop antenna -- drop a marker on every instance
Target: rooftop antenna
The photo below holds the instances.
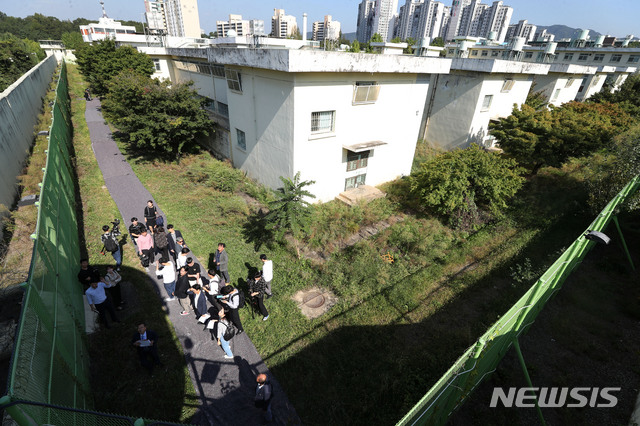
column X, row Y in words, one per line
column 104, row 13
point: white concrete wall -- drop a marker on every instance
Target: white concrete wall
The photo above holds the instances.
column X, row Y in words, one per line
column 394, row 119
column 20, row 105
column 264, row 112
column 458, row 117
column 548, row 84
column 592, row 85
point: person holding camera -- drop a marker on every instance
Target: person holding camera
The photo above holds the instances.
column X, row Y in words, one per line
column 110, row 244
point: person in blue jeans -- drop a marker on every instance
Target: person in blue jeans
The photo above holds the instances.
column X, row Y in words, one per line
column 222, row 328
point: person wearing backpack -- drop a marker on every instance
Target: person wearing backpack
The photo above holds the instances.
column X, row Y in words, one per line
column 257, row 290
column 161, row 243
column 110, row 243
column 225, row 332
column 233, row 300
column 150, row 216
column 263, row 396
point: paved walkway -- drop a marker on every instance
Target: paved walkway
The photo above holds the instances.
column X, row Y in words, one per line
column 225, row 387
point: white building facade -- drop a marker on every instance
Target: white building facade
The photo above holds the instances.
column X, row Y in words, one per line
column 282, row 25
column 384, row 17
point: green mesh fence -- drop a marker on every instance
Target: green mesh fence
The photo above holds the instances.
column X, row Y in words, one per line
column 482, row 358
column 49, row 376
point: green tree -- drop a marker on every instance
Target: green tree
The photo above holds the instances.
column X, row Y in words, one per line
column 396, row 40
column 72, row 40
column 156, row 116
column 101, row 61
column 376, row 38
column 355, row 47
column 462, row 185
column 628, row 96
column 438, row 41
column 296, row 34
column 409, row 49
column 16, row 58
column 343, row 40
column 290, row 212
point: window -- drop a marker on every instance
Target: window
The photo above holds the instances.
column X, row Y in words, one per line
column 234, row 80
column 555, row 96
column 616, row 58
column 355, row 181
column 569, row 82
column 365, row 92
column 494, row 53
column 528, row 55
column 507, row 85
column 568, row 56
column 323, row 121
column 598, row 57
column 242, row 141
column 451, row 51
column 486, row 102
column 156, row 63
column 357, row 160
column 634, row 58
column 485, row 53
column 223, row 109
column 218, row 70
column 583, row 56
column 474, row 53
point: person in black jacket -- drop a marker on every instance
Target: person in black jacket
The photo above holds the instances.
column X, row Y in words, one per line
column 172, row 238
column 135, row 229
column 256, row 290
column 182, row 286
column 150, row 216
column 146, row 343
column 87, row 274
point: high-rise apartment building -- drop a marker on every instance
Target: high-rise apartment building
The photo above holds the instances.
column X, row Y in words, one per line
column 384, row 18
column 326, row 30
column 430, row 20
column 521, row 29
column 282, row 26
column 455, row 18
column 235, row 23
column 446, row 16
column 473, row 18
column 496, row 20
column 405, row 18
column 179, row 18
column 365, row 20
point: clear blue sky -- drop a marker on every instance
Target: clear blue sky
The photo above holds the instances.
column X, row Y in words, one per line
column 617, row 18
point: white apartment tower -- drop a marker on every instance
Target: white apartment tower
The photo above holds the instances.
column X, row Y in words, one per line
column 236, row 23
column 366, row 11
column 446, row 16
column 521, row 29
column 282, row 26
column 405, row 18
column 383, row 19
column 476, row 19
column 496, row 19
column 455, row 18
column 179, row 18
column 430, row 20
column 326, row 30
column 155, row 16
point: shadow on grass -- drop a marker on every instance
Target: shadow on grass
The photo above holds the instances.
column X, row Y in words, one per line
column 119, row 383
column 150, row 154
column 374, row 374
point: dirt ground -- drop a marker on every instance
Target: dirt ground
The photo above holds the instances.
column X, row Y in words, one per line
column 587, row 336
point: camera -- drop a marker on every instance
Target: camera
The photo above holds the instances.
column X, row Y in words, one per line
column 115, row 230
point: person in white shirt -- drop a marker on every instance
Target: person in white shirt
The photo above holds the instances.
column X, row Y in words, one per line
column 113, row 278
column 267, row 273
column 97, row 299
column 182, row 258
column 221, row 330
column 169, row 280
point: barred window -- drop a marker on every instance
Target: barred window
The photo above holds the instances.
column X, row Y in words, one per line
column 218, row 70
column 598, row 57
column 616, row 58
column 507, row 85
column 323, row 121
column 357, row 160
column 223, row 109
column 242, row 141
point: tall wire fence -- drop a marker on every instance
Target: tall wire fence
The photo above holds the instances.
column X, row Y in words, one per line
column 49, row 374
column 482, row 358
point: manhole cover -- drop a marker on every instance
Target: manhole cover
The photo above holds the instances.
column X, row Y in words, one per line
column 313, row 299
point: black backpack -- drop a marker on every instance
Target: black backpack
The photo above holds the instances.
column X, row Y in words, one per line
column 229, row 332
column 241, row 301
column 110, row 244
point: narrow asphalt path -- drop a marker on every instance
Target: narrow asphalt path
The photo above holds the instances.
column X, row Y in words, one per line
column 225, row 387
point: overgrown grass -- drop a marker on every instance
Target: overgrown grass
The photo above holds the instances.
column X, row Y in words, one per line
column 397, row 326
column 119, row 384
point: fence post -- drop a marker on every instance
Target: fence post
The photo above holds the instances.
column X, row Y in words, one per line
column 526, row 376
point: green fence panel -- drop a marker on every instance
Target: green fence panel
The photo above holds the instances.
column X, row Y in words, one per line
column 482, row 358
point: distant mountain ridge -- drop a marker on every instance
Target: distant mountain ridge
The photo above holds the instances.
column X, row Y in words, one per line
column 563, row 31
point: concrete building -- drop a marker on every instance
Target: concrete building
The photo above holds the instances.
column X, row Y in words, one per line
column 455, row 18
column 109, row 28
column 475, row 19
column 183, row 19
column 283, row 26
column 326, row 30
column 384, row 18
column 522, row 29
column 365, row 20
column 256, row 27
column 341, row 119
column 235, row 23
column 430, row 16
column 405, row 18
column 462, row 103
column 155, row 16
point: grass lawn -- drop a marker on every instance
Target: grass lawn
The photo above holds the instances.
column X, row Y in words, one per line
column 119, row 383
column 396, row 327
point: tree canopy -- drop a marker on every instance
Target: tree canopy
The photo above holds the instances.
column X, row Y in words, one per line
column 16, row 58
column 72, row 40
column 536, row 135
column 101, row 61
column 628, row 96
column 461, row 184
column 157, row 116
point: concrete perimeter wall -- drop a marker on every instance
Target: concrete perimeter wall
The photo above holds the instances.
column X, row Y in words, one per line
column 20, row 105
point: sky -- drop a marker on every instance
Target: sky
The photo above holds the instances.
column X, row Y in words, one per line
column 617, row 18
